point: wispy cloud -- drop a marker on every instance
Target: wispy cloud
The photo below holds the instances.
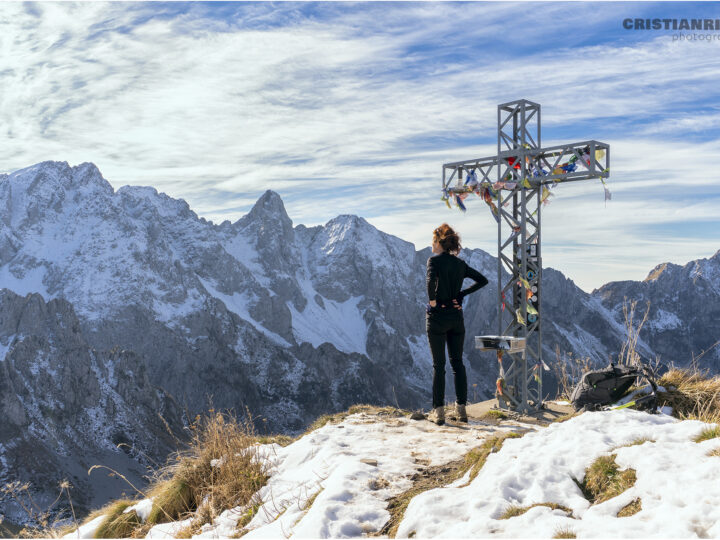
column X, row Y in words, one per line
column 352, row 108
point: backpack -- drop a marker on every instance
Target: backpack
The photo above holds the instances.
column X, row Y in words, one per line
column 605, row 386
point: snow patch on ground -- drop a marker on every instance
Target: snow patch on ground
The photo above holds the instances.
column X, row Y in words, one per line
column 328, row 464
column 335, row 482
column 142, row 509
column 168, row 530
column 541, row 466
column 87, row 530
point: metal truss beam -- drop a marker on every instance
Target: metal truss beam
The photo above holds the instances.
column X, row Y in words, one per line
column 520, row 175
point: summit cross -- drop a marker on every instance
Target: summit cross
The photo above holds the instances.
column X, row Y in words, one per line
column 515, row 183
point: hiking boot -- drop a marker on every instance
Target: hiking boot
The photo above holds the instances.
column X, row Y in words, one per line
column 437, row 416
column 459, row 414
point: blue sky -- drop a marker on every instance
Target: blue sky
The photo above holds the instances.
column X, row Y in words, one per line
column 353, row 108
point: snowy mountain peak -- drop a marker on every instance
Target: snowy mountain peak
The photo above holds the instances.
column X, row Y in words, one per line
column 349, row 220
column 59, row 175
column 270, row 209
column 656, row 272
column 88, row 174
column 270, row 203
column 138, row 198
column 354, row 232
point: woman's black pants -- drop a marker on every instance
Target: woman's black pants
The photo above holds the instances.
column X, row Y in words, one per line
column 447, row 328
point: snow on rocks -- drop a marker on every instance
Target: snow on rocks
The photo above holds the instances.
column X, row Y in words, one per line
column 677, row 482
column 335, row 481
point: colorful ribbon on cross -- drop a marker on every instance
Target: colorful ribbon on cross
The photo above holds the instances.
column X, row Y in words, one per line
column 489, row 191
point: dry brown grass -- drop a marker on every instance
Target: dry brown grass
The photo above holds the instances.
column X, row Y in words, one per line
column 603, row 480
column 566, row 417
column 50, row 522
column 336, row 418
column 568, row 371
column 564, row 532
column 246, row 518
column 630, row 509
column 714, row 453
column 637, row 442
column 693, row 395
column 117, row 523
column 628, row 352
column 282, row 440
column 220, row 466
column 494, row 416
column 179, row 489
column 515, row 510
column 475, row 459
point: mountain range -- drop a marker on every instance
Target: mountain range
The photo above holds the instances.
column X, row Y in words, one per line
column 123, row 314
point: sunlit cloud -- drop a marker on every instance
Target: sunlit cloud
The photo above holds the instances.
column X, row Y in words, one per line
column 353, row 108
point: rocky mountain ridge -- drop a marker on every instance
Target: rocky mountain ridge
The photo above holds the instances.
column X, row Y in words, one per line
column 288, row 321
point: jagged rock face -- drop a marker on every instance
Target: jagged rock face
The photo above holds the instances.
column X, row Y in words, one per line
column 684, row 316
column 66, row 406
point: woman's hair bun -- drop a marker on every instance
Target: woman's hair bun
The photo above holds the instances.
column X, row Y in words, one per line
column 448, row 239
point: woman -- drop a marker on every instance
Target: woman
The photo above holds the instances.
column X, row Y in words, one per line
column 444, row 319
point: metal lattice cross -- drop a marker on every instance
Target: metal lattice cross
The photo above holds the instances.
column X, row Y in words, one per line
column 522, row 173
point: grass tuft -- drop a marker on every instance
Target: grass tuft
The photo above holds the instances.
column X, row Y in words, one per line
column 630, row 509
column 515, row 510
column 564, row 532
column 708, row 433
column 565, row 417
column 219, row 469
column 494, row 416
column 336, row 418
column 282, row 440
column 693, row 395
column 637, row 442
column 171, row 499
column 603, row 480
column 714, row 453
column 117, row 524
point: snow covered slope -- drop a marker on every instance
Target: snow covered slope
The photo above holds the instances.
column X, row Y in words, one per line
column 540, row 468
column 336, row 482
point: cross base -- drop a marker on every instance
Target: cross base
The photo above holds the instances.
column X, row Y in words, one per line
column 517, row 388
